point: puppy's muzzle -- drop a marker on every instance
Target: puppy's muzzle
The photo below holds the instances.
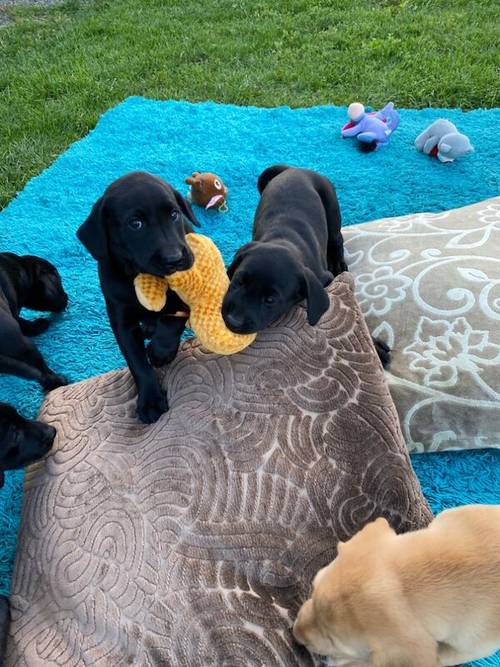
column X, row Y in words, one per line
column 48, row 435
column 296, row 635
column 236, row 324
column 60, row 301
column 167, row 263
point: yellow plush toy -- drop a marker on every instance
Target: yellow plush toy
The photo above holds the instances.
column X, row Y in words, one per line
column 202, row 288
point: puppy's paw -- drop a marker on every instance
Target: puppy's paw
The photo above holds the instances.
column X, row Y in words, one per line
column 383, row 351
column 52, row 381
column 151, row 405
column 338, row 268
column 159, row 355
column 35, row 327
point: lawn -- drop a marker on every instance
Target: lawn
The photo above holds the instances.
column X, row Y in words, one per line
column 61, row 67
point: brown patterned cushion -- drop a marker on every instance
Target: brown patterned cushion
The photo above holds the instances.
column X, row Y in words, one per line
column 192, row 542
column 430, row 285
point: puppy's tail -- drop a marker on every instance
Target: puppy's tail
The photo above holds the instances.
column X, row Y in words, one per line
column 268, row 175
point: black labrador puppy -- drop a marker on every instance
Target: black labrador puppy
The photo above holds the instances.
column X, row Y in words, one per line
column 22, row 441
column 27, row 282
column 139, row 226
column 297, row 249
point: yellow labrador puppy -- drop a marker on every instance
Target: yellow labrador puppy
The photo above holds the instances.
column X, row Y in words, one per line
column 423, row 599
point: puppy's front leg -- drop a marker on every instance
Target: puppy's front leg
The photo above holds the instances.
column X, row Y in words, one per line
column 49, row 380
column 165, row 343
column 21, row 357
column 151, row 402
column 33, row 327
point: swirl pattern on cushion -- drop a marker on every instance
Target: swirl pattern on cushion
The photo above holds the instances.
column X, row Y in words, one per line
column 429, row 284
column 193, row 542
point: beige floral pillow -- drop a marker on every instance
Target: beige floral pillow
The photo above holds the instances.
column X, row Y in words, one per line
column 429, row 284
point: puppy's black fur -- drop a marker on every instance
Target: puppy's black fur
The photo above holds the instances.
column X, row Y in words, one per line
column 27, row 282
column 139, row 226
column 22, row 441
column 297, row 249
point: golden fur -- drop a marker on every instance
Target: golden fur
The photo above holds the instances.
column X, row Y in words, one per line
column 424, row 599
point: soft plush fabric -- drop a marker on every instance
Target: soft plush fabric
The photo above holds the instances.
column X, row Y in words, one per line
column 429, row 284
column 173, row 139
column 194, row 541
column 202, row 288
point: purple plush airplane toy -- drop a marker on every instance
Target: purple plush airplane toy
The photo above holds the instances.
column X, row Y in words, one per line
column 374, row 127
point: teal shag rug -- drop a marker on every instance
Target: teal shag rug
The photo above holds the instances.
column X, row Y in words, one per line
column 172, row 139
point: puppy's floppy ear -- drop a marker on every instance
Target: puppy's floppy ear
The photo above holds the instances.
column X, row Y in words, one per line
column 268, row 175
column 316, row 296
column 185, row 208
column 239, row 257
column 92, row 233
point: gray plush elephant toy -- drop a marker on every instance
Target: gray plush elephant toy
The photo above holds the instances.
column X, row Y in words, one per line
column 444, row 141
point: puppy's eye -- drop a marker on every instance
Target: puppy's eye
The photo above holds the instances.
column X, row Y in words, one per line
column 218, row 184
column 269, row 300
column 174, row 214
column 136, row 224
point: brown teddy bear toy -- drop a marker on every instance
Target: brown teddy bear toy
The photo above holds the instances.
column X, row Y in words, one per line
column 207, row 190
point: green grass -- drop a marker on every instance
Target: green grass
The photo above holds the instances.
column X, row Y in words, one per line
column 61, row 67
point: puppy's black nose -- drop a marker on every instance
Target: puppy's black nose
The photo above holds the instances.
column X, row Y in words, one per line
column 62, row 303
column 173, row 258
column 59, row 301
column 233, row 322
column 49, row 433
column 177, row 260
